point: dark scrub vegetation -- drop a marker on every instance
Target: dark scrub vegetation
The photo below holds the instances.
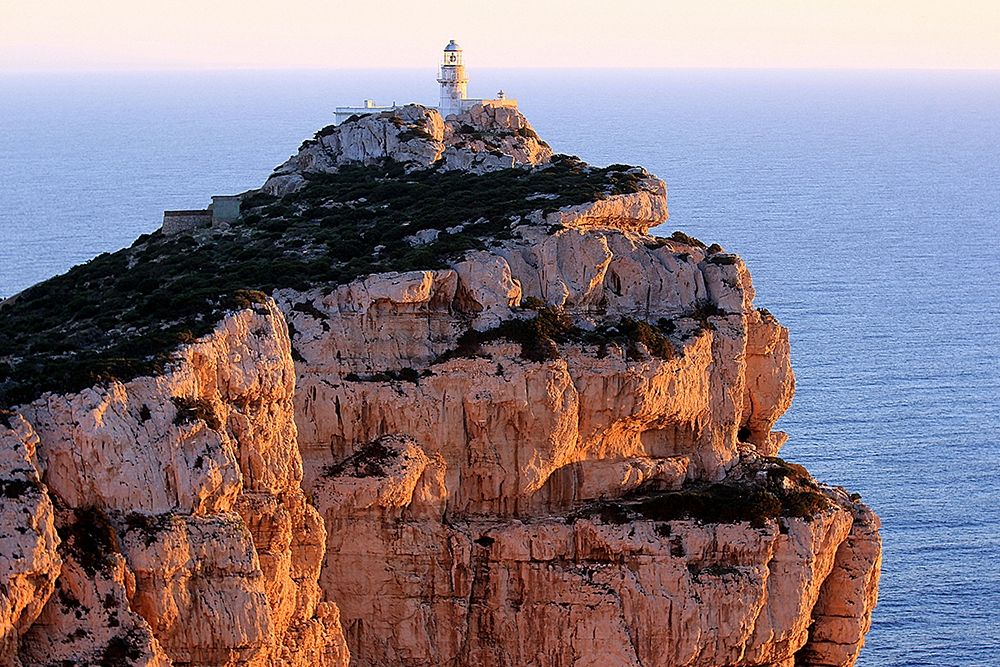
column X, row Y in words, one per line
column 540, row 336
column 762, row 492
column 370, row 461
column 122, row 314
column 89, row 539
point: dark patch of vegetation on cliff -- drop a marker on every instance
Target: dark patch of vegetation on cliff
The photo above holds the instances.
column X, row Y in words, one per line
column 369, row 461
column 122, row 314
column 540, row 336
column 654, row 338
column 12, row 489
column 148, row 525
column 704, row 310
column 655, row 242
column 192, row 409
column 764, row 492
column 90, row 540
column 470, row 133
column 331, row 129
column 407, row 374
column 123, row 649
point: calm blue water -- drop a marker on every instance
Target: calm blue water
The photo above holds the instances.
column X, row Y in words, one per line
column 866, row 204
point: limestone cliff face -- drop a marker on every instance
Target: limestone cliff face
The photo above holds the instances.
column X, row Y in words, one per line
column 185, row 535
column 29, row 560
column 554, row 450
column 548, row 590
column 458, row 531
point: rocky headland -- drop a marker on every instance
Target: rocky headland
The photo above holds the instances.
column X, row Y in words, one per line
column 436, row 398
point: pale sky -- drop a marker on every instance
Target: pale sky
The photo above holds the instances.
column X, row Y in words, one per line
column 226, row 34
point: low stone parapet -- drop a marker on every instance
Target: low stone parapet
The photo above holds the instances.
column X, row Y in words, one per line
column 178, row 222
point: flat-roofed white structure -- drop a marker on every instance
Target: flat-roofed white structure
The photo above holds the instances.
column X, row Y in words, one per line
column 367, row 107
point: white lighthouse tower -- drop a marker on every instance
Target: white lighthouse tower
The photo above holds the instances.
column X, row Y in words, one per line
column 454, row 82
column 454, row 91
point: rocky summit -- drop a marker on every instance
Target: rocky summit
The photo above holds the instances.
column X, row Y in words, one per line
column 435, row 397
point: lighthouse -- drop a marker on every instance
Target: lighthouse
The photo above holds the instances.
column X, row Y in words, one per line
column 454, row 91
column 454, row 82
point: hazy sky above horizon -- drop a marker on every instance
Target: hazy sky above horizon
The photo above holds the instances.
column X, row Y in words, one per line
column 226, row 34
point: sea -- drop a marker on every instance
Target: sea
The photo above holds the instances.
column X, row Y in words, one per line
column 866, row 204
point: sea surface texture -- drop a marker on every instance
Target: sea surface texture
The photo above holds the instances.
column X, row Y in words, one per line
column 866, row 204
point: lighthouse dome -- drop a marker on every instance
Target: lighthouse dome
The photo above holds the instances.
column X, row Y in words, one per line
column 452, row 46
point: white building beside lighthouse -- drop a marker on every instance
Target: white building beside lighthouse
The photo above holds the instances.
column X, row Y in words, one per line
column 453, row 98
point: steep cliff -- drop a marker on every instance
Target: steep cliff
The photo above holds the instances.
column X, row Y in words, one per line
column 480, row 417
column 185, row 535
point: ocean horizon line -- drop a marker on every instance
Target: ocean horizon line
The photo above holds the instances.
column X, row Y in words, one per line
column 253, row 69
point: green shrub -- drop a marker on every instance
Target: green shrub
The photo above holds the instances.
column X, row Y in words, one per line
column 653, row 337
column 407, row 374
column 714, row 570
column 330, row 129
column 723, row 259
column 538, row 336
column 309, row 308
column 246, row 298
